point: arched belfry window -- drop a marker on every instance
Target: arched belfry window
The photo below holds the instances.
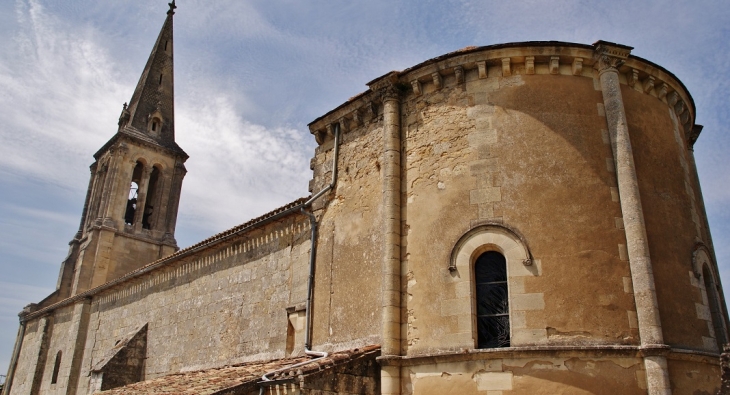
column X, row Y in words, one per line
column 492, row 302
column 129, row 213
column 714, row 304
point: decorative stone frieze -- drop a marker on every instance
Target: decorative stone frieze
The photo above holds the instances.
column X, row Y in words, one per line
column 679, row 108
column 530, row 65
column 577, row 66
column 356, row 117
column 482, row 68
column 437, row 81
column 649, row 84
column 416, row 85
column 459, row 73
column 662, row 92
column 506, row 69
column 633, row 78
column 344, row 124
column 672, row 98
column 610, row 56
column 372, row 110
column 554, row 64
column 684, row 117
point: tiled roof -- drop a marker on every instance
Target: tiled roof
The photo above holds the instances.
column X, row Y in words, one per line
column 232, row 379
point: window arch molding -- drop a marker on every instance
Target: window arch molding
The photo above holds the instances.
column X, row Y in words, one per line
column 517, row 261
column 489, row 237
column 708, row 279
column 701, row 256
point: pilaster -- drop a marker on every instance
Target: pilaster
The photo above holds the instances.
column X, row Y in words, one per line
column 144, row 184
column 391, row 323
column 609, row 57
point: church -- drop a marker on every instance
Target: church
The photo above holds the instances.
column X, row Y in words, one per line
column 520, row 218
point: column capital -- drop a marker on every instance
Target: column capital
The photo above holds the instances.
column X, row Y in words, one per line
column 386, row 87
column 389, row 92
column 610, row 56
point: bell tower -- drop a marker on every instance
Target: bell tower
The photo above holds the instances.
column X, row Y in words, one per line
column 132, row 200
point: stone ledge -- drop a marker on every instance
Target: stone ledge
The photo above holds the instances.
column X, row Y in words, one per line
column 600, row 351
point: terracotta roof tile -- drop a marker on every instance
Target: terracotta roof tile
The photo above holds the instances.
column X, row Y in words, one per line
column 214, row 381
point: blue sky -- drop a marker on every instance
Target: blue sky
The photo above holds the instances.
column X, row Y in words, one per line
column 250, row 75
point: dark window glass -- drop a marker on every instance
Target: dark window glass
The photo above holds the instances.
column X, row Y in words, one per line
column 490, row 274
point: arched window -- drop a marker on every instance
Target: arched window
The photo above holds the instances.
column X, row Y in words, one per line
column 485, row 260
column 492, row 302
column 131, row 209
column 56, row 368
column 715, row 314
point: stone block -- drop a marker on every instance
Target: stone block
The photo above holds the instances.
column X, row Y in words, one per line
column 527, row 302
column 516, row 285
column 628, row 287
column 528, row 336
column 703, row 312
column 493, row 381
column 458, row 340
column 485, row 195
column 465, row 323
column 518, row 269
column 633, row 320
column 463, row 289
column 518, row 320
column 709, row 343
column 452, row 307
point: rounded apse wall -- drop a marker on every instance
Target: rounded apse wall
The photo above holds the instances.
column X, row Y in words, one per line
column 520, row 149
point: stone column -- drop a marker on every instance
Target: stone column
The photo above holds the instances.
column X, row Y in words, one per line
column 609, row 57
column 96, row 194
column 112, row 185
column 173, row 202
column 85, row 211
column 162, row 195
column 144, row 184
column 390, row 376
column 104, row 193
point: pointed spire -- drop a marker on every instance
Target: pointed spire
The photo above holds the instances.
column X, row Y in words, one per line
column 151, row 109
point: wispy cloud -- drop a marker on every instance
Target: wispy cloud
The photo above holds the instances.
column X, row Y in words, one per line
column 57, row 85
column 238, row 170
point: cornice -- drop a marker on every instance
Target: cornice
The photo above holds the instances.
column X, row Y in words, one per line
column 502, row 60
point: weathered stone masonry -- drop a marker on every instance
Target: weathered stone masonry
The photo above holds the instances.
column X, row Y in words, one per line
column 570, row 163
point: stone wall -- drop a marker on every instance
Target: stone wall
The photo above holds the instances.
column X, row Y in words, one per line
column 35, row 332
column 509, row 148
column 527, row 152
column 674, row 222
column 224, row 304
column 348, row 281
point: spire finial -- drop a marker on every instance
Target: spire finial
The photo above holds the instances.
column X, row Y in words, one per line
column 172, row 5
